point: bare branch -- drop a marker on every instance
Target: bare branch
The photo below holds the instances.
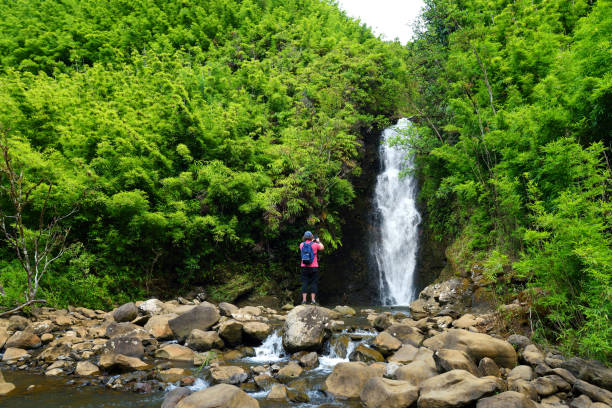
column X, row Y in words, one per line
column 18, row 308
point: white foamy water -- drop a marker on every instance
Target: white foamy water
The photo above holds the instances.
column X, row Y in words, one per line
column 198, row 384
column 270, row 351
column 395, row 202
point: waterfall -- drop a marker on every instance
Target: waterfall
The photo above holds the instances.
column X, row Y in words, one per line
column 395, row 205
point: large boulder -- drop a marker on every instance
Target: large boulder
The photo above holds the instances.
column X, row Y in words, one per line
column 289, row 372
column 228, row 374
column 348, row 379
column 386, row 343
column 306, row 327
column 125, row 313
column 200, row 317
column 447, row 360
column 128, row 346
column 175, row 352
column 159, row 327
column 366, row 354
column 592, row 391
column 256, row 332
column 12, row 354
column 5, row 387
column 406, row 334
column 204, row 340
column 406, row 354
column 26, row 339
column 384, row 393
column 125, row 329
column 455, row 388
column 476, row 345
column 85, row 368
column 219, row 396
column 508, row 399
column 227, row 309
column 231, row 332
column 152, row 307
column 590, row 371
column 119, row 362
column 420, row 369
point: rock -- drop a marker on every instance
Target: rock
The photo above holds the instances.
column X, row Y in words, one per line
column 345, row 310
column 3, row 337
column 508, row 399
column 200, row 317
column 152, row 307
column 12, row 354
column 46, row 338
column 476, row 345
column 386, row 343
column 593, row 392
column 24, row 339
column 590, row 371
column 125, row 313
column 54, row 372
column 128, row 346
column 175, row 352
column 532, row 356
column 487, row 366
column 158, row 326
column 204, row 340
column 17, row 323
column 231, row 332
column 406, row 354
column 173, row 375
column 308, row 360
column 264, row 381
column 175, row 396
column 417, row 371
column 581, row 402
column 228, row 374
column 348, row 379
column 120, row 362
column 455, row 389
column 385, row 393
column 305, row 329
column 125, row 329
column 278, row 392
column 297, row 395
column 421, row 308
column 406, row 334
column 256, row 332
column 289, row 372
column 365, row 354
column 85, row 368
column 63, row 320
column 465, row 322
column 447, row 360
column 522, row 372
column 227, row 309
column 565, row 374
column 519, row 342
column 544, row 386
column 524, row 387
column 40, row 328
column 287, row 307
column 5, row 387
column 54, row 352
column 382, row 321
column 219, row 396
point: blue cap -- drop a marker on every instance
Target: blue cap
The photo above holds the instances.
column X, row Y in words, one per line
column 308, row 235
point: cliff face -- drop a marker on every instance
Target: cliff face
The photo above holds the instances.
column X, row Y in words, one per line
column 348, row 275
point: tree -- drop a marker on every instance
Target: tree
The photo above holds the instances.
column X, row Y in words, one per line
column 36, row 249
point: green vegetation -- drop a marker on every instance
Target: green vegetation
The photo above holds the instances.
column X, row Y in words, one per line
column 514, row 103
column 197, row 137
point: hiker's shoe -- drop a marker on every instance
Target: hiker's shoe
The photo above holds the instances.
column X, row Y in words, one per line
column 303, row 302
column 314, row 303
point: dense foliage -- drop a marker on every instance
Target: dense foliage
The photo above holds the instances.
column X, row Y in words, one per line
column 514, row 102
column 196, row 137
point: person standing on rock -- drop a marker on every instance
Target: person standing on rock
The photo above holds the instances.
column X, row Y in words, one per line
column 310, row 265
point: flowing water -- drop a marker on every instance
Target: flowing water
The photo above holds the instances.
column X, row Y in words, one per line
column 395, row 203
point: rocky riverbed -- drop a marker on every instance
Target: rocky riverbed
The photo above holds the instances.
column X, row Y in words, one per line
column 191, row 353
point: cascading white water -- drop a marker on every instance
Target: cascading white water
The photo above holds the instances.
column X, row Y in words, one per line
column 270, row 351
column 395, row 201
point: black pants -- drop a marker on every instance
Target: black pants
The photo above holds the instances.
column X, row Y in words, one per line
column 310, row 278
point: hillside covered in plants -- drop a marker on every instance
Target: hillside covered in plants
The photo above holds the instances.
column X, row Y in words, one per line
column 195, row 139
column 514, row 101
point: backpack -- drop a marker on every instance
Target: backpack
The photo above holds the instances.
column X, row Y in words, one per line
column 307, row 253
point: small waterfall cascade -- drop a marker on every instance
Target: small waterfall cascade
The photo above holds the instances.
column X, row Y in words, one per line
column 271, row 350
column 395, row 205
